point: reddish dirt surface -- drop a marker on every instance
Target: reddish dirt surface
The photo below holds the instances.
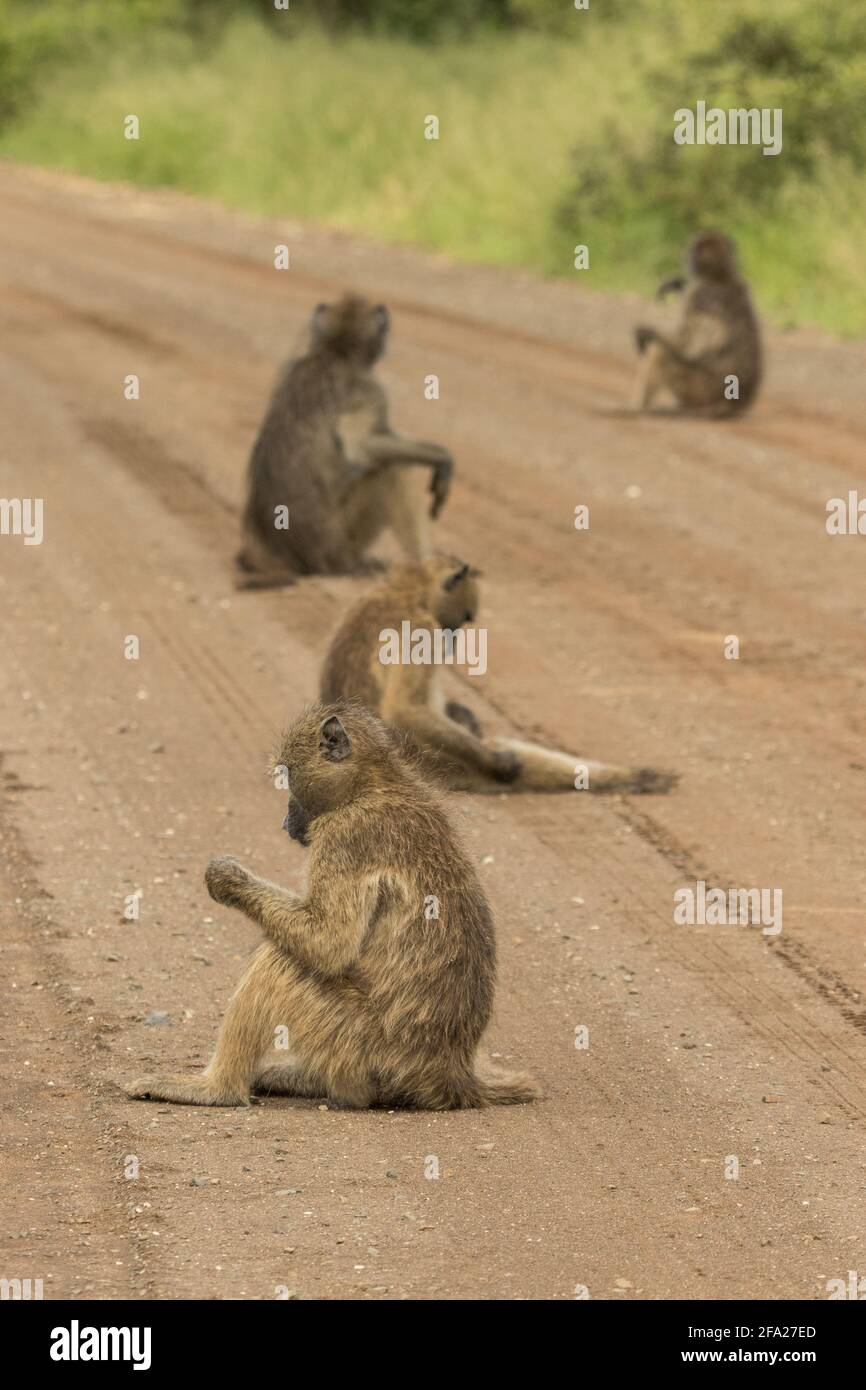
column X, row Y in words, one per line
column 118, row 776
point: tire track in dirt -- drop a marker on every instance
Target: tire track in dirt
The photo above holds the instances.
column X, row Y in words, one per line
column 71, row 1168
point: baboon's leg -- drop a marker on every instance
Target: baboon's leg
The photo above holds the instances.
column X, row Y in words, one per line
column 691, row 382
column 392, row 499
column 324, row 1025
column 694, row 387
column 408, row 512
column 256, row 568
column 365, row 511
column 650, row 376
column 542, row 769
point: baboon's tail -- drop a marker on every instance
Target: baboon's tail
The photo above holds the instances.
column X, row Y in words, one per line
column 543, row 770
column 502, row 1088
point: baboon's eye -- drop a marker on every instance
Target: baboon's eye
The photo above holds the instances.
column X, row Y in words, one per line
column 454, row 579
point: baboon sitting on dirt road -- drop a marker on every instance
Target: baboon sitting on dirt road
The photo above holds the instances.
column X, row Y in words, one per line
column 712, row 363
column 382, row 976
column 327, row 474
column 440, row 595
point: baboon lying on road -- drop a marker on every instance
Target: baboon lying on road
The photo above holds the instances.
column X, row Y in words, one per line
column 327, row 473
column 713, row 362
column 441, row 593
column 381, row 977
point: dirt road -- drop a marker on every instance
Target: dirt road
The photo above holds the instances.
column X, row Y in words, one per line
column 706, row 1043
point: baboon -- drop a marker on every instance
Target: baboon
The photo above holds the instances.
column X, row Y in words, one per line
column 443, row 593
column 717, row 339
column 327, row 474
column 382, row 976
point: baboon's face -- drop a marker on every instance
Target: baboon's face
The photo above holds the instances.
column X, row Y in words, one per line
column 328, row 754
column 456, row 594
column 712, row 254
column 352, row 328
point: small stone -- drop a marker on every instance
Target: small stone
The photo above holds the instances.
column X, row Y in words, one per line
column 156, row 1019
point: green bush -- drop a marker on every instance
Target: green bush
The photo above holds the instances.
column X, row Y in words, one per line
column 808, row 59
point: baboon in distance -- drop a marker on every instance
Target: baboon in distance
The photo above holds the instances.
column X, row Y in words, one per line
column 443, row 593
column 717, row 338
column 327, row 474
column 382, row 977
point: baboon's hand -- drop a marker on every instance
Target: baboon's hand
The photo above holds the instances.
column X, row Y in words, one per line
column 440, row 484
column 224, row 878
column 506, row 765
column 462, row 715
column 643, row 337
column 674, row 284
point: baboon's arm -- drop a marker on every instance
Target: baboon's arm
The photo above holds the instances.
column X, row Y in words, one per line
column 705, row 358
column 383, row 449
column 445, row 736
column 674, row 284
column 323, row 931
column 375, row 452
column 368, row 442
column 387, row 450
column 407, row 704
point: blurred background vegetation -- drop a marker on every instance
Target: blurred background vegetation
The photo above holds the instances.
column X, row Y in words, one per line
column 556, row 125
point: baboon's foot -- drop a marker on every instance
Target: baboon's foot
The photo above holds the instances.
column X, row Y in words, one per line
column 185, row 1090
column 369, row 565
column 461, row 714
column 279, row 580
column 286, row 1081
column 349, row 1096
column 652, row 781
column 631, row 781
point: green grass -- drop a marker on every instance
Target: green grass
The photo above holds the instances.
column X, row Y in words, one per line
column 543, row 140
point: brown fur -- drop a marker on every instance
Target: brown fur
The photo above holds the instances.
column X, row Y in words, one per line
column 327, row 452
column 381, row 1005
column 443, row 593
column 718, row 337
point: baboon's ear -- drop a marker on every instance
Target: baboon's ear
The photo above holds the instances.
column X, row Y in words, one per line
column 320, row 317
column 334, row 741
column 383, row 318
column 454, row 579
